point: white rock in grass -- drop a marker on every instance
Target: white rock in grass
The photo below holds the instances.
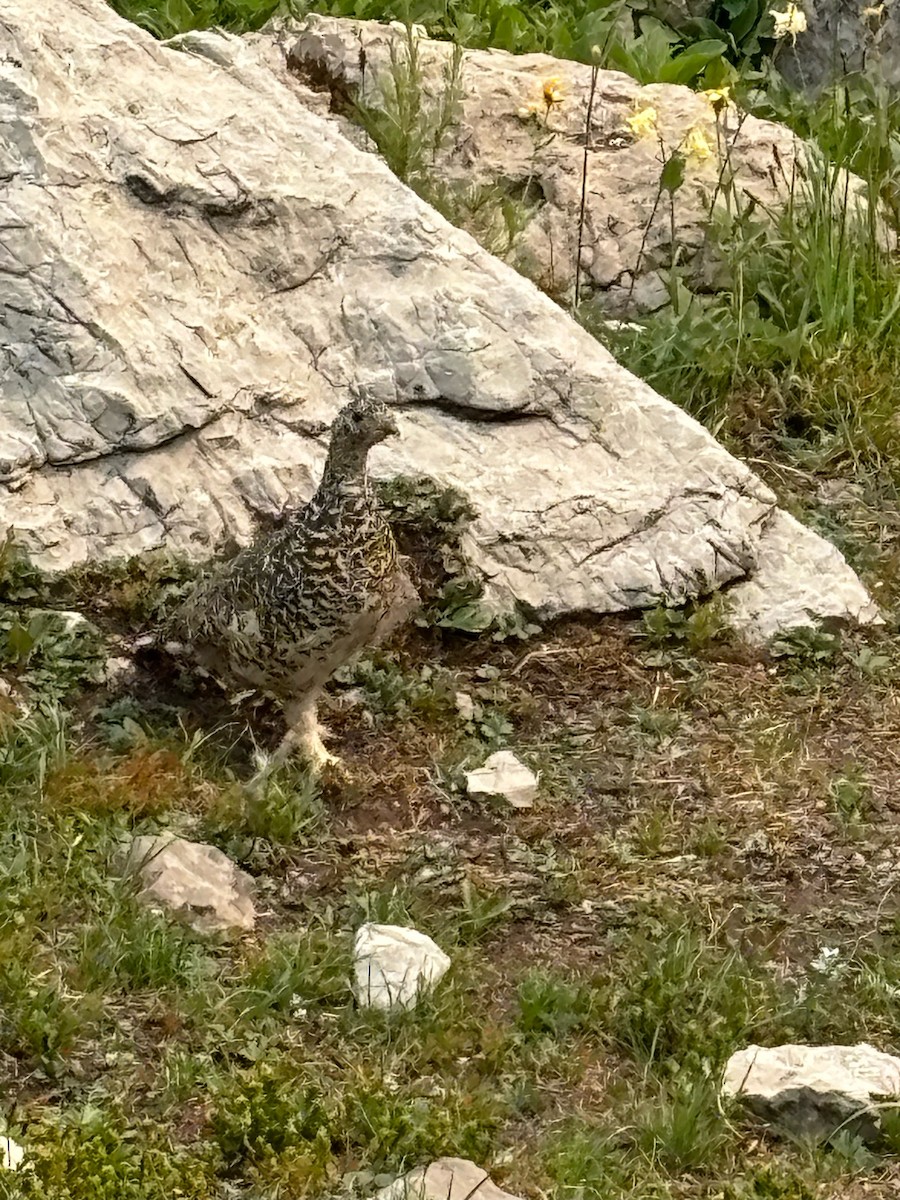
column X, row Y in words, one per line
column 503, row 775
column 394, row 965
column 11, row 1154
column 196, row 882
column 814, row 1090
column 445, row 1179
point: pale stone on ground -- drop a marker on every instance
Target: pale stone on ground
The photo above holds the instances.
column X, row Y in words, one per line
column 814, row 1090
column 191, row 292
column 195, row 882
column 445, row 1179
column 394, row 965
column 503, row 775
column 12, row 1154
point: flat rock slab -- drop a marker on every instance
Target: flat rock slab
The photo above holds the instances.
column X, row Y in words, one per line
column 813, row 1091
column 445, row 1179
column 394, row 965
column 189, row 295
column 197, row 883
column 503, row 775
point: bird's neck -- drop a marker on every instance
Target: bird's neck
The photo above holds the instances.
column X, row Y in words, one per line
column 346, row 475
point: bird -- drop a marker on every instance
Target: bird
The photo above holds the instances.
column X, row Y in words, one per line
column 303, row 600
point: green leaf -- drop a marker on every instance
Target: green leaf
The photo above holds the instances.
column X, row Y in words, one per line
column 687, row 66
column 512, row 25
column 744, row 20
column 19, row 642
column 470, row 618
column 672, row 176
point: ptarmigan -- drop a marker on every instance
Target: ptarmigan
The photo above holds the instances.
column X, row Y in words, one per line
column 299, row 602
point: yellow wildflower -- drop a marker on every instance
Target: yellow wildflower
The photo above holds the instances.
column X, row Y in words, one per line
column 643, row 122
column 696, row 144
column 792, row 21
column 552, row 90
column 718, row 98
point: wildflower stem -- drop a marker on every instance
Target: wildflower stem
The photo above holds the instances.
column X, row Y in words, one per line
column 584, row 168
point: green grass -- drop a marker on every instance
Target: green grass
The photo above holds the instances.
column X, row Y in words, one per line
column 139, row 1058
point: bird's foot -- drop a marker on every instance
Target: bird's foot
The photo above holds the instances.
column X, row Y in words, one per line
column 317, row 760
column 318, row 756
column 309, row 743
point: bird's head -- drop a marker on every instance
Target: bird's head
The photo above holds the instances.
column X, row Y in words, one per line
column 363, row 423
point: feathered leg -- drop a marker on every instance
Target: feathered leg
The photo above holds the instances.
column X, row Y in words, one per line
column 304, row 737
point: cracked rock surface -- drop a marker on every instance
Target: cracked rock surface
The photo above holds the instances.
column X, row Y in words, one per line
column 189, row 290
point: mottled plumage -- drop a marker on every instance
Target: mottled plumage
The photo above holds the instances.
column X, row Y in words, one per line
column 299, row 602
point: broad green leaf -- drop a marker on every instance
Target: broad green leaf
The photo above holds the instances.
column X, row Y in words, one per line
column 744, row 21
column 687, row 66
column 471, row 618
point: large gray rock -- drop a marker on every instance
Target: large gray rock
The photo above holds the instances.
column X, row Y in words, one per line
column 445, row 1179
column 814, row 1090
column 197, row 883
column 843, row 36
column 189, row 292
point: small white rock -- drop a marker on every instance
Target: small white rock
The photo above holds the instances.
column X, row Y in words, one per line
column 827, row 961
column 445, row 1179
column 11, row 1154
column 465, row 705
column 394, row 965
column 503, row 775
column 814, row 1090
column 73, row 622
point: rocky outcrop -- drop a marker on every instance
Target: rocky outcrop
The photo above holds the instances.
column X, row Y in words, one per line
column 503, row 135
column 190, row 292
column 814, row 1091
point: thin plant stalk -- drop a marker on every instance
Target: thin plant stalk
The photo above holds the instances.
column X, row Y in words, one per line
column 584, row 170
